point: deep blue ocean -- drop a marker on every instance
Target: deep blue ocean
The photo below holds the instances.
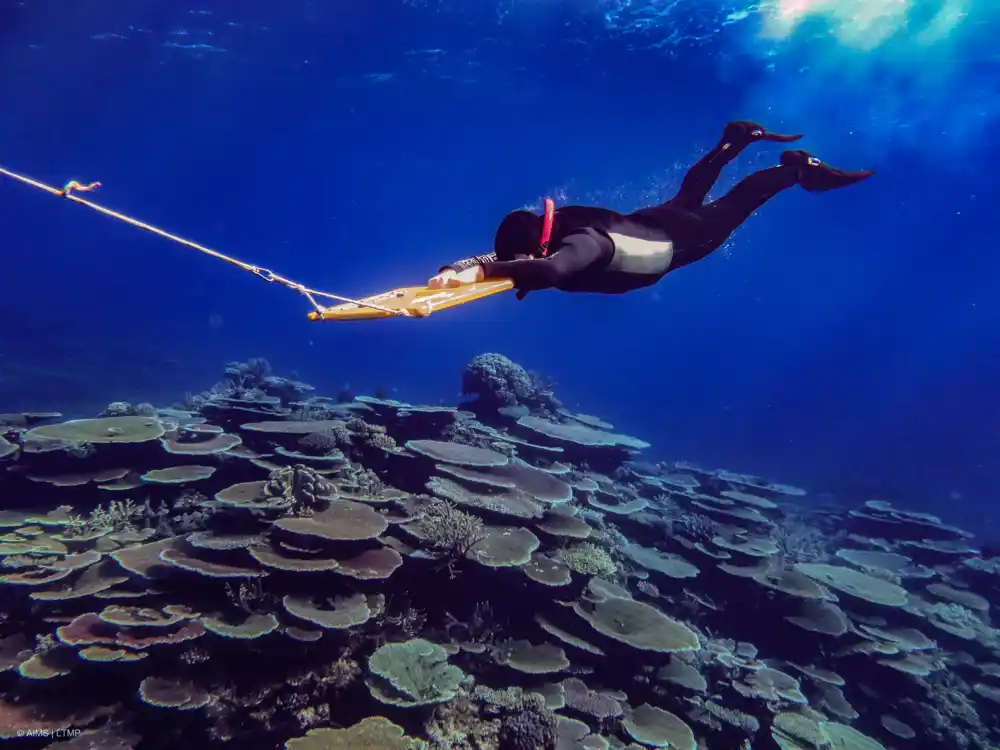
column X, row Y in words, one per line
column 844, row 342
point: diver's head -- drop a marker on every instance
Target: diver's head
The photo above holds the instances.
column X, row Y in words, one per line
column 518, row 234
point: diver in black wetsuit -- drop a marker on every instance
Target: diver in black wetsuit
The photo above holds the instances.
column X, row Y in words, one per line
column 595, row 249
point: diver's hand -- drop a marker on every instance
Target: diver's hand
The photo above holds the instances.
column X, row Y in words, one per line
column 449, row 278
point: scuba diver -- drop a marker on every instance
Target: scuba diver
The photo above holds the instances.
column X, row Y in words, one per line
column 592, row 249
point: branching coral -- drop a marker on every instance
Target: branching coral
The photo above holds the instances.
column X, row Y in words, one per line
column 481, row 627
column 125, row 409
column 249, row 374
column 301, row 490
column 954, row 614
column 322, row 573
column 950, row 716
column 714, row 715
column 251, row 597
column 118, row 515
column 463, row 434
column 337, row 675
column 498, row 381
column 798, row 542
column 457, row 725
column 320, row 443
column 448, row 530
column 369, row 435
column 368, row 482
column 403, row 626
column 242, row 380
column 589, row 559
column 531, row 729
column 698, row 527
column 310, row 413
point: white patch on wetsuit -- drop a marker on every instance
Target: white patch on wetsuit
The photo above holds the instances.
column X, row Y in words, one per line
column 635, row 255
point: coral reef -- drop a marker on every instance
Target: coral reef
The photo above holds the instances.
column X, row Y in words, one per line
column 264, row 567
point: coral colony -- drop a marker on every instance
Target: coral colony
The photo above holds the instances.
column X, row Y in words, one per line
column 263, row 567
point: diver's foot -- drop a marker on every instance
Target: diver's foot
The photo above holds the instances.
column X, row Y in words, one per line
column 742, row 133
column 818, row 177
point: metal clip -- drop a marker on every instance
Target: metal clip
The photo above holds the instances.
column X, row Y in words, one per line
column 264, row 273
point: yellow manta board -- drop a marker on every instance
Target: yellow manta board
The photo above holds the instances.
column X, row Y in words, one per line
column 411, row 301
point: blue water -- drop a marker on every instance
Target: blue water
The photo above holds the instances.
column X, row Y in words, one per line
column 844, row 342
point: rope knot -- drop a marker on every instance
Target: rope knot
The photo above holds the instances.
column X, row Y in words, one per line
column 72, row 185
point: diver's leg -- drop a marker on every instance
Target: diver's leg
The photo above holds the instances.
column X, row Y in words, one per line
column 736, row 136
column 720, row 218
column 817, row 176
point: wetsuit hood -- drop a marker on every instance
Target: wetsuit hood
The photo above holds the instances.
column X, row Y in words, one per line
column 517, row 234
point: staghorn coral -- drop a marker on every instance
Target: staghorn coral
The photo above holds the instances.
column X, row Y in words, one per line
column 118, row 515
column 405, row 626
column 448, row 530
column 337, row 675
column 251, row 597
column 800, row 543
column 245, row 381
column 249, row 374
column 698, row 527
column 481, row 627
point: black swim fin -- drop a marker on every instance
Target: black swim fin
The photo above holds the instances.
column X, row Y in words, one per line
column 743, row 133
column 817, row 177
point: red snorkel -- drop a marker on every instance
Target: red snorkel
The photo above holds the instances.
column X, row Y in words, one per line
column 547, row 222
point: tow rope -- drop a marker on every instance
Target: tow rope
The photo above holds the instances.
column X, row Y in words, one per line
column 72, row 187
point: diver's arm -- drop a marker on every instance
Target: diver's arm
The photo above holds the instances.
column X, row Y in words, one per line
column 467, row 271
column 575, row 253
column 475, row 260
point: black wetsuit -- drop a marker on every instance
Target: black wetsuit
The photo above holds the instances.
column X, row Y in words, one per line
column 598, row 250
